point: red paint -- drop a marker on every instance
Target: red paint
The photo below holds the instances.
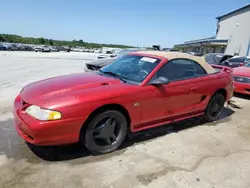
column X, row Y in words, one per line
column 243, row 88
column 76, row 96
column 242, row 71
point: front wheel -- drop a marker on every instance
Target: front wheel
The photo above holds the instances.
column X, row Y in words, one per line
column 105, row 132
column 214, row 107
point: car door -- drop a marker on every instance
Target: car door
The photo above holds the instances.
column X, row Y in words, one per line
column 176, row 98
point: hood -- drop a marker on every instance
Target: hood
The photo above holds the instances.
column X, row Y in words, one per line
column 101, row 62
column 241, row 71
column 41, row 92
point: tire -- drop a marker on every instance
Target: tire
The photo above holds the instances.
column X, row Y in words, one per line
column 98, row 128
column 217, row 101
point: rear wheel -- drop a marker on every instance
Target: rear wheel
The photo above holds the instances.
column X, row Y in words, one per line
column 214, row 107
column 105, row 132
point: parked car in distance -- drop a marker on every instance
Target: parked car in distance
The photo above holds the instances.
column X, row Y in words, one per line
column 99, row 108
column 102, row 56
column 2, row 48
column 37, row 48
column 242, row 79
column 216, row 58
column 46, row 49
column 195, row 53
column 236, row 61
column 25, row 48
column 97, row 64
column 13, row 47
column 53, row 49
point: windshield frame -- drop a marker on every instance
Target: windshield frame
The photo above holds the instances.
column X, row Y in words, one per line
column 144, row 80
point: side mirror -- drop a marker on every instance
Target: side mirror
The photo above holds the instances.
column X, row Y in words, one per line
column 241, row 64
column 159, row 81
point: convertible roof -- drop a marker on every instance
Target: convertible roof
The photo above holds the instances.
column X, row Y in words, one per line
column 177, row 55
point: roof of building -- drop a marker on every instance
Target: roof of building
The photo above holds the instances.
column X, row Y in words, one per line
column 176, row 55
column 239, row 9
column 207, row 40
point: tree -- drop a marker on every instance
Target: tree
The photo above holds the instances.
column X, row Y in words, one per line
column 41, row 40
column 28, row 40
column 51, row 42
column 1, row 38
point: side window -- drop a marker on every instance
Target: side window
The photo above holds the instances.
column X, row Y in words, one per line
column 200, row 71
column 180, row 69
column 237, row 59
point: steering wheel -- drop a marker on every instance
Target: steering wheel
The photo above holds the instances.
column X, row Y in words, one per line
column 145, row 72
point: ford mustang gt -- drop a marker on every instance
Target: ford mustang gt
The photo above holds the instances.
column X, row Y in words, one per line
column 137, row 91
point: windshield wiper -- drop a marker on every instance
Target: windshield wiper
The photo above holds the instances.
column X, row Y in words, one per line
column 114, row 75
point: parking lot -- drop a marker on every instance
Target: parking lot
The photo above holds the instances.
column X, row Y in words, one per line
column 185, row 154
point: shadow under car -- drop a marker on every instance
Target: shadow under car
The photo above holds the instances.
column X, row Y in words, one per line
column 75, row 151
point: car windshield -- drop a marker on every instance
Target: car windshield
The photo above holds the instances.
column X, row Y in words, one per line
column 132, row 68
column 248, row 65
column 247, row 60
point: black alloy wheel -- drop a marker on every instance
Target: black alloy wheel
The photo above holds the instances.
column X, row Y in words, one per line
column 215, row 107
column 105, row 132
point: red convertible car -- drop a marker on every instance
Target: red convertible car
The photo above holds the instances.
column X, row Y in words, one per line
column 137, row 91
column 242, row 79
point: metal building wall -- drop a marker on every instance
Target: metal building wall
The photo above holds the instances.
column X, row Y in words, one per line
column 236, row 28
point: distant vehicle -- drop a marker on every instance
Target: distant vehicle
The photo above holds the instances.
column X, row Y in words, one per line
column 66, row 48
column 102, row 56
column 156, row 47
column 242, row 79
column 25, row 48
column 53, row 49
column 42, row 49
column 2, row 48
column 99, row 108
column 236, row 61
column 13, row 47
column 46, row 49
column 216, row 58
column 59, row 48
column 97, row 64
column 166, row 49
column 195, row 53
column 37, row 48
column 108, row 54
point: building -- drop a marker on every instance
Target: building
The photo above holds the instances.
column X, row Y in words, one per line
column 232, row 35
column 204, row 46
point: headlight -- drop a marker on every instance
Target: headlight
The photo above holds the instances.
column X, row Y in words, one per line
column 43, row 114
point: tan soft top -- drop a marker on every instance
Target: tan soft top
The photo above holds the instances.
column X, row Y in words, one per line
column 176, row 55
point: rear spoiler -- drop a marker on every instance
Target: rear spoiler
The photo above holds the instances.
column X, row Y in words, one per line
column 224, row 68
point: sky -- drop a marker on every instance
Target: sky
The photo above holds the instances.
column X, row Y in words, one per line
column 131, row 22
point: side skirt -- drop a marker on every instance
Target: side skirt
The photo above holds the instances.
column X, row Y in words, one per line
column 166, row 121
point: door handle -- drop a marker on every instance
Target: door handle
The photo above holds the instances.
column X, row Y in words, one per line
column 193, row 88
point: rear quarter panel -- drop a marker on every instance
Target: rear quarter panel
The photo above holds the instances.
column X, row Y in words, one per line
column 221, row 80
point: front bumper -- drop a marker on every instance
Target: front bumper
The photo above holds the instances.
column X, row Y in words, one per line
column 243, row 88
column 45, row 133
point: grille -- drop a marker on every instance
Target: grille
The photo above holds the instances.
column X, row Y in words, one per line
column 241, row 79
column 92, row 67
